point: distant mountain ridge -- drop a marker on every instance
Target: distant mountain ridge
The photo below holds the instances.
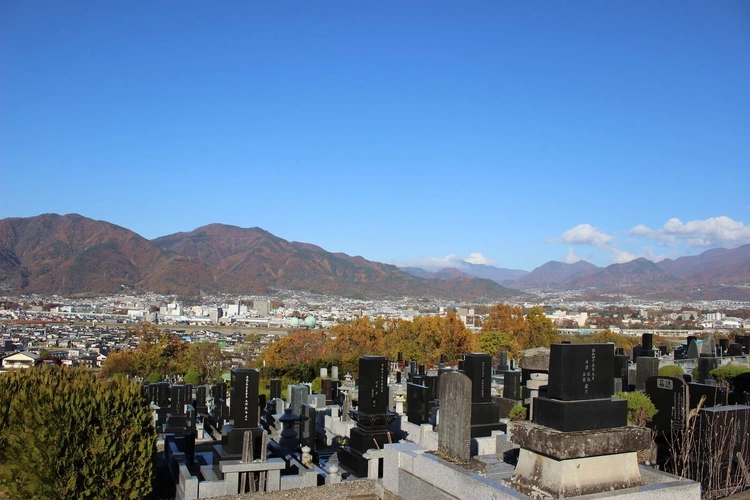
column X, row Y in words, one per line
column 72, row 254
column 714, row 274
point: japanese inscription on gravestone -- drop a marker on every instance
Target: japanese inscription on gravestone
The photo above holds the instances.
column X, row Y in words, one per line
column 581, row 371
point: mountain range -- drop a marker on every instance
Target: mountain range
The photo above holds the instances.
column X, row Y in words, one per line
column 712, row 275
column 71, row 254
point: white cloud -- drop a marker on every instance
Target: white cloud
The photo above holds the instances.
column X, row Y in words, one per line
column 451, row 260
column 715, row 231
column 571, row 257
column 621, row 256
column 584, row 234
column 478, row 258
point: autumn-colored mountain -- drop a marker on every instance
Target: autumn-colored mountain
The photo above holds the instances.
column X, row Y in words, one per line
column 640, row 275
column 253, row 261
column 69, row 254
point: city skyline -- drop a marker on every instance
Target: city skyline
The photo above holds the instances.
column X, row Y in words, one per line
column 491, row 133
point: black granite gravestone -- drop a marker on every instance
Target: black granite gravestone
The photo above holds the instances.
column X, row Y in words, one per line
column 478, row 367
column 431, row 382
column 178, row 399
column 330, row 388
column 244, row 398
column 512, row 385
column 201, row 395
column 647, row 345
column 274, row 388
column 735, row 349
column 243, row 414
column 581, row 371
column 372, row 416
column 621, row 365
column 724, row 345
column 741, row 388
column 669, row 396
column 744, row 341
column 485, row 413
column 417, row 403
column 714, row 395
column 307, row 433
column 579, row 390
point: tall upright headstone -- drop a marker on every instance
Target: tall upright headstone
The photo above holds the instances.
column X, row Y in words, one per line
column 243, row 415
column 244, row 398
column 485, row 413
column 669, row 396
column 274, row 388
column 454, row 435
column 372, row 416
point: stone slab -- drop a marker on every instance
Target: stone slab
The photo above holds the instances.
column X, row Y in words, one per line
column 566, row 445
column 239, row 466
column 580, row 415
column 534, row 359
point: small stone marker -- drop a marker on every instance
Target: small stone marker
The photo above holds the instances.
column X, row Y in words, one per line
column 454, row 435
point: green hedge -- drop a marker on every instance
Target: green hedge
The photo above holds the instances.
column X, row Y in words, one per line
column 65, row 434
column 671, row 371
column 725, row 374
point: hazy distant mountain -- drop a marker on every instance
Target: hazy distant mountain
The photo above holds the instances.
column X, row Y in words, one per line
column 553, row 273
column 443, row 274
column 718, row 264
column 71, row 254
column 497, row 274
column 640, row 275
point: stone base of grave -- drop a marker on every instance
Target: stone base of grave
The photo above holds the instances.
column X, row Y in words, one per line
column 580, row 415
column 566, row 464
column 175, row 424
column 485, row 418
column 161, row 417
column 231, row 445
column 360, row 441
column 505, row 404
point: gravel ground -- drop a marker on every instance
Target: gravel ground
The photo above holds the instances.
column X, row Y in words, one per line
column 359, row 490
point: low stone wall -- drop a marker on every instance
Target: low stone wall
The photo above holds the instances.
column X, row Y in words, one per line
column 413, row 474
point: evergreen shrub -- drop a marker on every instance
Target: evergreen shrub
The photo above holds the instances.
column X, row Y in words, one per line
column 671, row 371
column 640, row 408
column 65, row 434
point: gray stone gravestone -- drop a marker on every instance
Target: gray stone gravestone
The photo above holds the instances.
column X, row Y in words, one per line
column 297, row 397
column 645, row 368
column 454, row 434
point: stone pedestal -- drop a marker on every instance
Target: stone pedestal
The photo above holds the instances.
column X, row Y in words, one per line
column 231, row 445
column 363, row 438
column 566, row 464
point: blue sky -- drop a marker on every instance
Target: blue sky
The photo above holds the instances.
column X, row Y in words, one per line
column 508, row 133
